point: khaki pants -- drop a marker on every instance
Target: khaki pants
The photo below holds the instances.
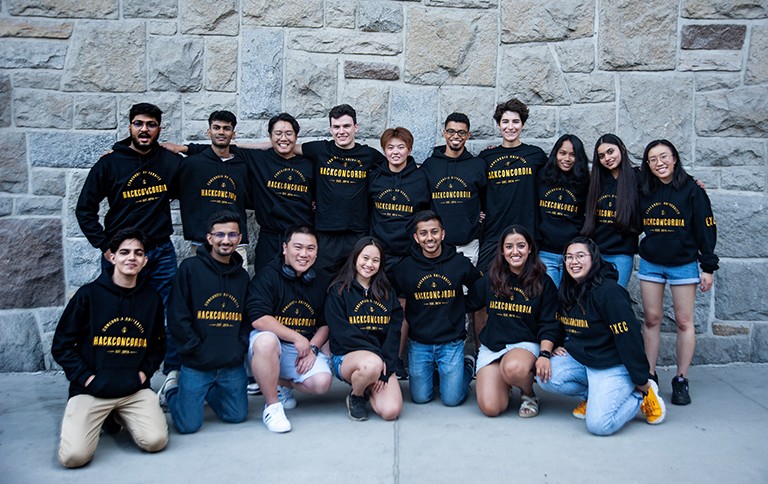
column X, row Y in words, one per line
column 139, row 413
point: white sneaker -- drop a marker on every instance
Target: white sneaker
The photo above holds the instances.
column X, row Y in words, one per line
column 171, row 382
column 274, row 418
column 285, row 395
column 254, row 389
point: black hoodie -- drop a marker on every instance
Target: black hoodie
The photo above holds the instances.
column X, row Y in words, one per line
column 456, row 186
column 606, row 235
column 138, row 188
column 560, row 215
column 395, row 200
column 113, row 333
column 358, row 322
column 208, row 184
column 206, row 312
column 434, row 296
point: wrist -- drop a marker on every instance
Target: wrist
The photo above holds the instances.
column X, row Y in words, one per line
column 314, row 349
column 545, row 354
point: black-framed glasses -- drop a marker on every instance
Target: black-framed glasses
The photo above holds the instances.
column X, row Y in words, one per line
column 460, row 132
column 221, row 235
column 149, row 124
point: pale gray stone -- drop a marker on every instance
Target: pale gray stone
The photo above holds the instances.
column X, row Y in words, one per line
column 718, row 350
column 246, row 130
column 759, row 343
column 205, row 17
column 83, row 262
column 730, row 152
column 49, row 362
column 706, row 81
column 450, row 47
column 104, row 9
column 310, row 86
column 48, row 318
column 741, row 287
column 371, row 70
column 13, row 163
column 637, row 35
column 35, row 28
column 37, row 79
column 6, row 206
column 591, row 88
column 536, row 21
column 67, row 149
column 221, row 64
column 318, row 128
column 42, row 109
column 278, row 13
column 588, row 122
column 176, row 64
column 371, row 102
column 462, row 3
column 168, row 102
column 196, row 131
column 757, row 62
column 476, row 102
column 20, row 345
column 340, row 14
column 42, row 252
column 117, row 65
column 261, row 82
column 42, row 206
column 95, row 112
column 540, row 82
column 741, row 112
column 344, row 42
column 542, row 123
column 75, row 181
column 720, row 60
column 379, row 16
column 200, row 105
column 151, row 8
column 50, row 182
column 652, row 108
column 576, row 55
column 32, row 54
column 5, row 100
column 713, row 36
column 707, row 9
column 742, row 221
column 162, row 27
column 710, row 177
column 415, row 109
column 751, row 179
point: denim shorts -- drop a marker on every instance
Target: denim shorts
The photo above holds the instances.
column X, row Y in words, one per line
column 672, row 275
column 485, row 356
column 336, row 361
column 288, row 355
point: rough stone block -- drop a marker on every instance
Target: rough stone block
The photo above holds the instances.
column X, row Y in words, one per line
column 541, row 82
column 344, row 42
column 278, row 13
column 576, row 55
column 37, row 79
column 709, row 176
column 168, row 102
column 750, row 179
column 340, row 14
column 49, row 182
column 371, row 102
column 6, row 206
column 310, row 86
column 637, row 35
column 713, row 9
column 176, row 64
column 45, row 206
column 201, row 105
column 462, row 3
column 721, row 329
column 82, row 260
column 713, row 36
column 75, row 182
column 104, row 9
column 221, row 64
column 42, row 250
column 730, row 152
column 741, row 113
column 32, row 54
column 48, row 318
column 591, row 88
column 20, row 345
column 261, row 82
column 706, row 81
column 536, row 21
column 602, row 120
column 757, row 62
column 196, row 131
column 379, row 16
column 5, row 100
column 205, row 17
column 95, row 112
column 407, row 108
column 741, row 287
column 759, row 343
column 42, row 109
column 719, row 350
column 67, row 149
column 450, row 48
column 318, row 128
column 151, row 8
column 652, row 108
column 107, row 68
column 477, row 103
column 13, row 163
column 35, row 28
column 720, row 60
column 371, row 70
column 162, row 27
column 542, row 123
column 50, row 364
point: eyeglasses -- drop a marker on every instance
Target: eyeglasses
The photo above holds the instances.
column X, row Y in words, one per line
column 149, row 124
column 221, row 235
column 579, row 256
column 461, row 132
column 664, row 159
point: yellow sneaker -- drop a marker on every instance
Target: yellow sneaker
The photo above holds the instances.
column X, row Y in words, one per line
column 580, row 412
column 653, row 406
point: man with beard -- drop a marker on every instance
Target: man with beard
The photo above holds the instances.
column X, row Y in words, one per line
column 136, row 178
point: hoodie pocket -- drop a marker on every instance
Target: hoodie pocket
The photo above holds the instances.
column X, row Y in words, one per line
column 114, row 383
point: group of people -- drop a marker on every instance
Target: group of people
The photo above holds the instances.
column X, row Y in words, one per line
column 365, row 260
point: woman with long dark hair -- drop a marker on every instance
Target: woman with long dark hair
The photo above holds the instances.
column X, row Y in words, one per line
column 602, row 360
column 612, row 212
column 520, row 330
column 679, row 232
column 364, row 318
column 563, row 185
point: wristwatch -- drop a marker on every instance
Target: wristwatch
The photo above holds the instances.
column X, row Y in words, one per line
column 314, row 349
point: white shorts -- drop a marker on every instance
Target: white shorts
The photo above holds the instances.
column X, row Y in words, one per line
column 288, row 355
column 485, row 356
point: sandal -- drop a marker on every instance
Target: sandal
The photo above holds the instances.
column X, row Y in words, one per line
column 530, row 406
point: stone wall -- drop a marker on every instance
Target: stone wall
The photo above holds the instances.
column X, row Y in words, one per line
column 692, row 71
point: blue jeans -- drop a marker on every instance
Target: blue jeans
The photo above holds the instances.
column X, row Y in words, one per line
column 454, row 379
column 223, row 389
column 554, row 263
column 623, row 264
column 611, row 397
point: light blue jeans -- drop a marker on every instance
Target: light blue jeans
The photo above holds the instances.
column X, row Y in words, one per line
column 612, row 399
column 623, row 264
column 454, row 379
column 554, row 263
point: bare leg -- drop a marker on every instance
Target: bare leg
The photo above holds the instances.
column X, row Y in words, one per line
column 491, row 390
column 683, row 299
column 516, row 368
column 388, row 402
column 653, row 309
column 265, row 365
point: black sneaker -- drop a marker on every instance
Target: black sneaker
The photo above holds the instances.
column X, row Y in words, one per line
column 401, row 372
column 469, row 366
column 680, row 395
column 356, row 408
column 110, row 425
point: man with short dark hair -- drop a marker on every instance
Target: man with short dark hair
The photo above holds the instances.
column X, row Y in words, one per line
column 110, row 341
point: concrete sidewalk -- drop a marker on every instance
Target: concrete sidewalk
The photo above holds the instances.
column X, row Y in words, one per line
column 720, row 437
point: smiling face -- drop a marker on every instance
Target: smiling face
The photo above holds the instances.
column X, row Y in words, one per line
column 429, row 235
column 578, row 261
column 221, row 133
column 367, row 265
column 662, row 162
column 224, row 239
column 343, row 131
column 300, row 252
column 397, row 154
column 516, row 252
column 456, row 135
column 129, row 259
column 144, row 131
column 283, row 138
column 610, row 157
column 510, row 126
column 566, row 156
